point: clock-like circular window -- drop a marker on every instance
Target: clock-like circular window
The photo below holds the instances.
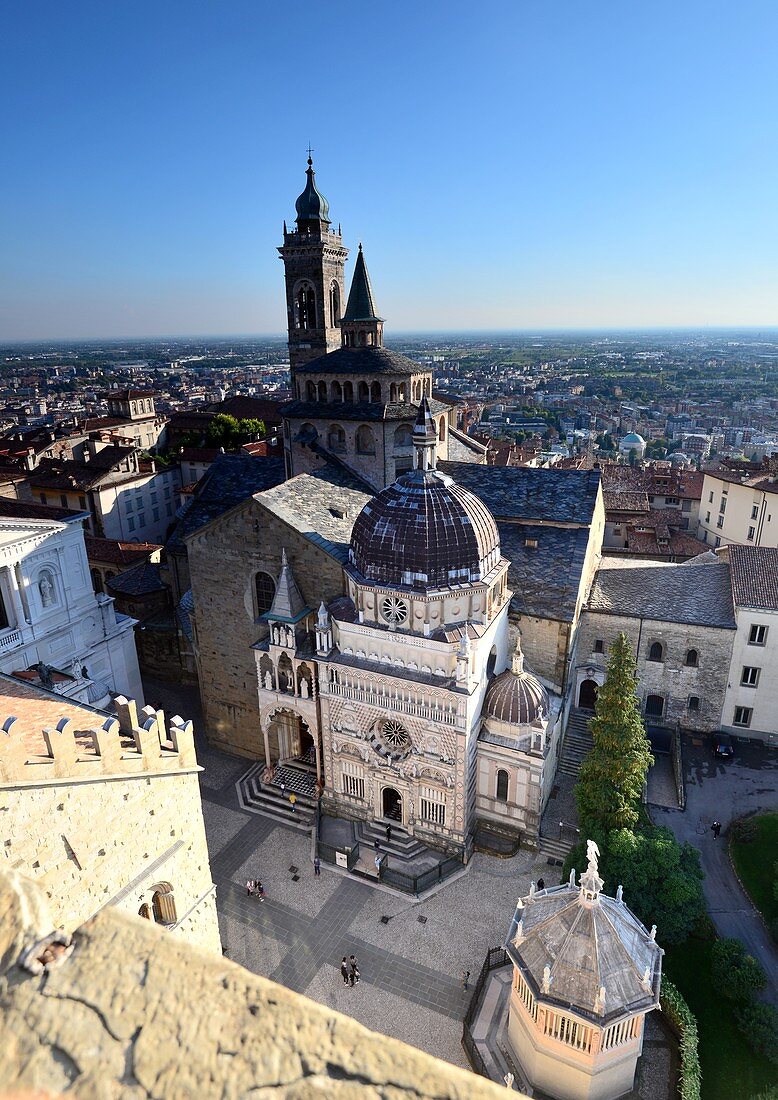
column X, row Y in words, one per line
column 394, row 610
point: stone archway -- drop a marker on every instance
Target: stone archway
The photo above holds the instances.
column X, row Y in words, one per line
column 391, row 804
column 287, row 735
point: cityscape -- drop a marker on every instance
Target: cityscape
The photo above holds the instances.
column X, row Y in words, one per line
column 389, row 706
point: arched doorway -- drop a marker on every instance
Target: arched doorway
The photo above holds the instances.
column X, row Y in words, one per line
column 392, row 804
column 307, row 750
column 587, row 694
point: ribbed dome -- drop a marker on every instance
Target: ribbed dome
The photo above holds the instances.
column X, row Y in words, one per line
column 424, row 531
column 312, row 205
column 516, row 696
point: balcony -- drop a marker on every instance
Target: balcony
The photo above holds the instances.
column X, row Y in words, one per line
column 397, row 700
column 10, row 639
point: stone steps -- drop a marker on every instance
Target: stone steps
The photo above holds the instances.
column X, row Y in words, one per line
column 268, row 801
column 557, row 849
column 401, row 845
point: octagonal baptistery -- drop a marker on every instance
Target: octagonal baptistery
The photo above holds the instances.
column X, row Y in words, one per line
column 424, row 532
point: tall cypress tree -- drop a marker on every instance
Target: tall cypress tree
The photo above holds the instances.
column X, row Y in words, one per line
column 612, row 775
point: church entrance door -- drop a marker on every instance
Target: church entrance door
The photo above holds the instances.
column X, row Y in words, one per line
column 392, row 804
column 305, row 744
column 587, row 695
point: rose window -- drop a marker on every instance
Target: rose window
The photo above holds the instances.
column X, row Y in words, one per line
column 392, row 740
column 394, row 610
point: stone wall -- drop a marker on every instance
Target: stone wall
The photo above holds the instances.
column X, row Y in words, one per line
column 670, row 678
column 224, row 559
column 106, row 817
column 134, row 1013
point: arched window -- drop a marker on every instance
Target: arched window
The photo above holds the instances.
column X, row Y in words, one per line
column 442, row 429
column 692, row 658
column 365, row 440
column 363, row 392
column 97, row 580
column 163, row 904
column 322, row 391
column 310, row 391
column 375, row 391
column 336, row 391
column 403, row 392
column 334, row 303
column 403, row 436
column 348, row 391
column 491, row 663
column 305, row 307
column 656, row 652
column 336, row 439
column 502, row 786
column 264, row 591
column 285, row 674
column 393, row 393
column 655, row 706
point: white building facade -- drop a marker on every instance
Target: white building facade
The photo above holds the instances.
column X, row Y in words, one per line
column 51, row 616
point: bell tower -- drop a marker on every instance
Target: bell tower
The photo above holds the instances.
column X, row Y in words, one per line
column 314, row 258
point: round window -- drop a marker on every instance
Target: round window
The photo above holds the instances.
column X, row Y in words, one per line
column 391, row 740
column 394, row 610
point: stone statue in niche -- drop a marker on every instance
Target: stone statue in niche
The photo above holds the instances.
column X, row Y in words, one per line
column 268, row 682
column 46, row 589
column 304, row 688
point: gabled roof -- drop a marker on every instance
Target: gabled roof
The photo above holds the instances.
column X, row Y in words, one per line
column 527, row 493
column 229, row 480
column 754, row 571
column 696, row 595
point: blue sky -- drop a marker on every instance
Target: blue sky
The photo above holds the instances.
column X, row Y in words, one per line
column 506, row 164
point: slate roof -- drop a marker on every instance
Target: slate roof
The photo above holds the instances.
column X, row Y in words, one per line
column 754, row 571
column 230, row 480
column 140, row 580
column 523, row 492
column 58, row 473
column 361, row 305
column 27, row 509
column 322, row 506
column 696, row 595
column 362, row 361
column 545, row 579
column 116, row 552
column 355, row 410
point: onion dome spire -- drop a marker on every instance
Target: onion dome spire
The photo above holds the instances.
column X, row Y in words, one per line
column 312, row 206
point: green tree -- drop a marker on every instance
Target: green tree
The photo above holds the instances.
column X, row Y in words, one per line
column 662, row 879
column 735, row 973
column 222, row 430
column 613, row 774
column 759, row 1023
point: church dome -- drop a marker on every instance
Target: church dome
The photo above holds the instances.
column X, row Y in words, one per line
column 424, row 531
column 516, row 696
column 312, row 205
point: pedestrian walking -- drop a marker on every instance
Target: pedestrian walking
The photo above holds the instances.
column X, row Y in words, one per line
column 376, row 845
column 344, row 970
column 377, row 862
column 465, row 978
column 259, row 889
column 716, row 827
column 541, row 884
column 292, row 800
column 317, row 866
column 388, row 834
column 352, row 961
column 283, row 789
column 250, row 887
column 354, row 975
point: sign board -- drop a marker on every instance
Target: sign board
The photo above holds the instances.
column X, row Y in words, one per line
column 341, row 859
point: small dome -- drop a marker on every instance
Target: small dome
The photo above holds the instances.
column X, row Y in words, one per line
column 678, row 458
column 516, row 696
column 634, row 438
column 312, row 205
column 97, row 692
column 424, row 531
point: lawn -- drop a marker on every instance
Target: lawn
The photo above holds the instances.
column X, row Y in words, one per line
column 755, row 863
column 730, row 1069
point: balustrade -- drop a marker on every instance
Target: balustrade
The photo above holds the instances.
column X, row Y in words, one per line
column 10, row 638
column 399, row 700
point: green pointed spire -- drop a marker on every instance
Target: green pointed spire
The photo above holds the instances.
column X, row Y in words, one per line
column 360, row 305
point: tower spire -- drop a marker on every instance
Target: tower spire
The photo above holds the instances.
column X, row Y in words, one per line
column 361, row 326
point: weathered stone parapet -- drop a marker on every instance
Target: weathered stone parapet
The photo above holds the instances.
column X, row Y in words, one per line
column 129, row 744
column 134, row 1013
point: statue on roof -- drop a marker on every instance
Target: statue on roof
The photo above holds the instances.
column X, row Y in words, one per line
column 592, row 856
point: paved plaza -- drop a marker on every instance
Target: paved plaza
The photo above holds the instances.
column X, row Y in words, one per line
column 411, row 964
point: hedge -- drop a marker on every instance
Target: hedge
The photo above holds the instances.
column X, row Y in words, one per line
column 684, row 1023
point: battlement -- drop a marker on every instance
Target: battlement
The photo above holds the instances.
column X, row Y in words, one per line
column 45, row 739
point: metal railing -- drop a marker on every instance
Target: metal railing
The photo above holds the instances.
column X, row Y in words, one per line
column 390, row 876
column 495, row 958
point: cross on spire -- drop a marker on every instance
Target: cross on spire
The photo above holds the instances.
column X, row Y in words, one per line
column 310, row 153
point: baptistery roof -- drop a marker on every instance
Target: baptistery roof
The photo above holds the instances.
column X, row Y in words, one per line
column 516, row 695
column 424, row 531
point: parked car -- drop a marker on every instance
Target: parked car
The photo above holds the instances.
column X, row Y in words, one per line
column 722, row 745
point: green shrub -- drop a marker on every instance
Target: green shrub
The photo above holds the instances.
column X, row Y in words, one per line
column 684, row 1022
column 759, row 1024
column 767, row 1094
column 735, row 973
